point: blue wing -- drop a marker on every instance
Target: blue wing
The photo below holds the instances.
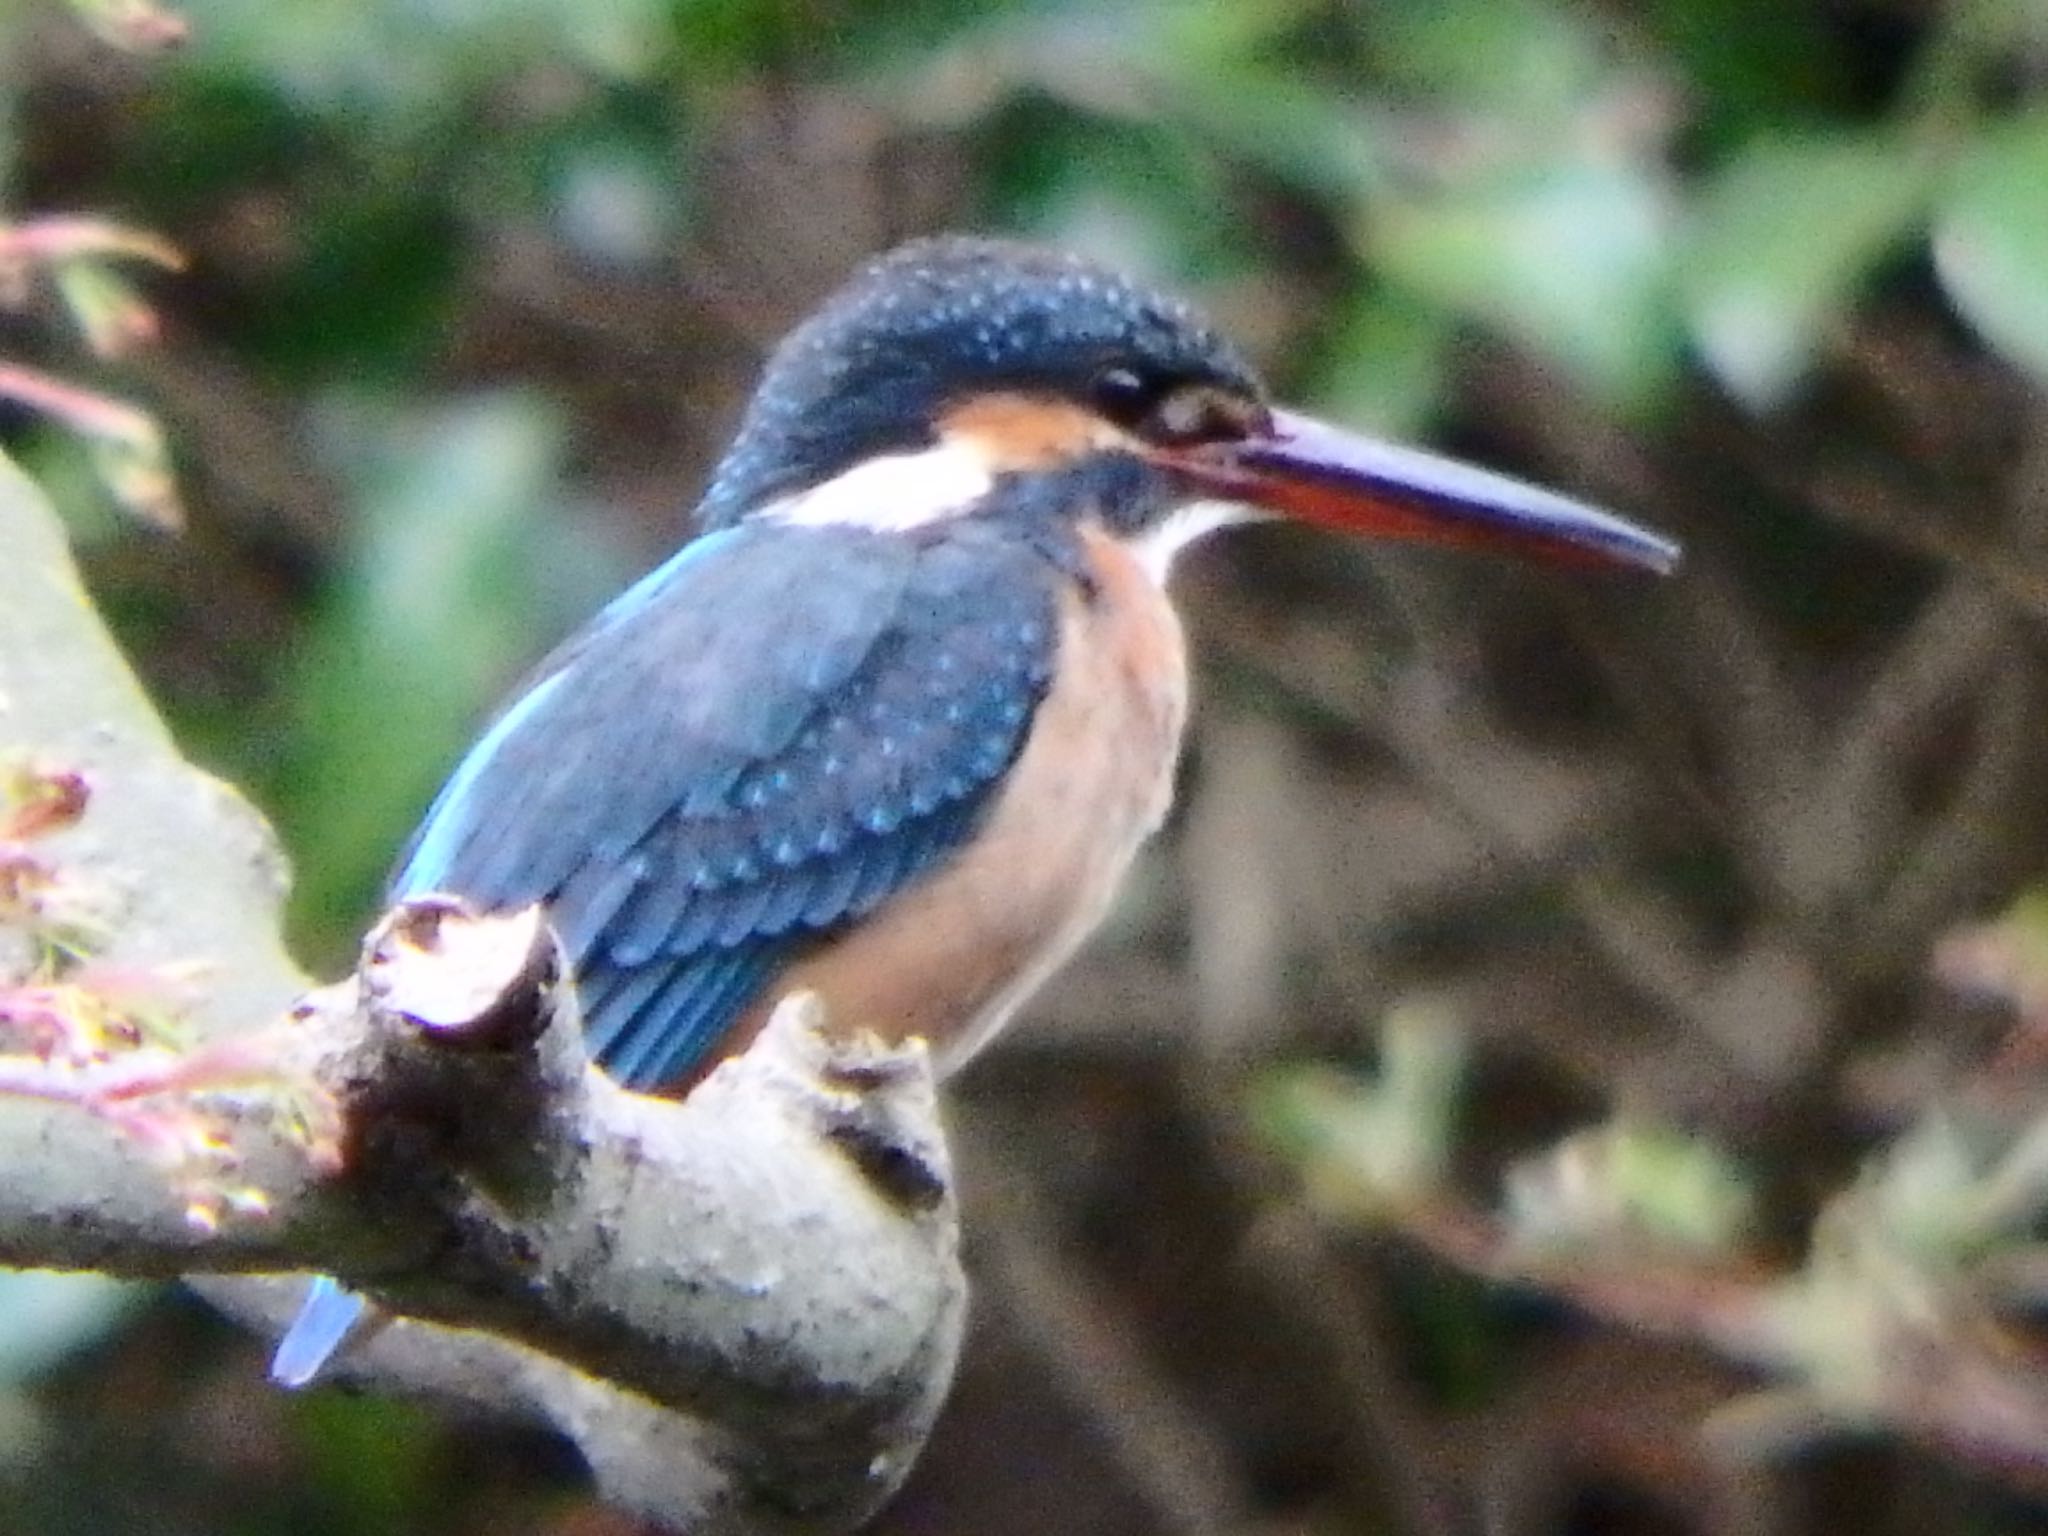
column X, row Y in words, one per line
column 759, row 742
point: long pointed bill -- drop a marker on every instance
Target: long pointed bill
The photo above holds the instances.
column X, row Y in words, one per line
column 1356, row 484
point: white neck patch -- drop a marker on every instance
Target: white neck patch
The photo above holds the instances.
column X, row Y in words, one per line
column 894, row 492
column 898, row 492
column 1160, row 545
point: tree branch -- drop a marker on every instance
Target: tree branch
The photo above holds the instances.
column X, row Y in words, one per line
column 744, row 1307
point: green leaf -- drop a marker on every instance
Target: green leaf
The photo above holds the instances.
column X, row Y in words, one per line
column 1531, row 59
column 373, row 1458
column 1782, row 243
column 1991, row 241
column 1569, row 257
column 1752, row 66
column 449, row 591
column 1383, row 368
column 1640, row 1185
column 1135, row 198
column 1364, row 1143
column 390, row 66
column 1324, row 141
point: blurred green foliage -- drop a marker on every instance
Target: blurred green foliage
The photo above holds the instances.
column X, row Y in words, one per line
column 1658, row 201
column 1696, row 186
column 1703, row 188
column 455, row 568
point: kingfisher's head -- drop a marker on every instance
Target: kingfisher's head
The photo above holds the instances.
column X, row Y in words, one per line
column 955, row 375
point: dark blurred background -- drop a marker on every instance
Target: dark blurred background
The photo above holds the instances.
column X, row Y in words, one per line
column 1578, row 1060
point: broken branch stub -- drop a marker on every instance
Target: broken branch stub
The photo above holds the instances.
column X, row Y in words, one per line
column 774, row 1257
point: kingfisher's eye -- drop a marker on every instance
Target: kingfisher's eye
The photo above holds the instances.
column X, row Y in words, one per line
column 1124, row 396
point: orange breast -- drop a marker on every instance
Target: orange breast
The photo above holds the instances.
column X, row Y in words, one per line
column 951, row 958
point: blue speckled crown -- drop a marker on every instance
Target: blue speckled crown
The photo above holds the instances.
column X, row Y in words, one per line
column 938, row 319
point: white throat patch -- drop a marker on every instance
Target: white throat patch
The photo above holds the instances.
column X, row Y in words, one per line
column 1159, row 546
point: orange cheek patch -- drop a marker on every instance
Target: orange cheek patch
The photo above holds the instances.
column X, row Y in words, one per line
column 1025, row 432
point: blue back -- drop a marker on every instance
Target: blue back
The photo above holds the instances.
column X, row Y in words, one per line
column 756, row 744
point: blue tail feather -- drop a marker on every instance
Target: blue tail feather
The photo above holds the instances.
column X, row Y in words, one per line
column 325, row 1318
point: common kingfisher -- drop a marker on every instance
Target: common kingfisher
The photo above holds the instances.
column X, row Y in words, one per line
column 893, row 724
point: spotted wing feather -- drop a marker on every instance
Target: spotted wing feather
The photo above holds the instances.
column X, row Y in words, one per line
column 761, row 742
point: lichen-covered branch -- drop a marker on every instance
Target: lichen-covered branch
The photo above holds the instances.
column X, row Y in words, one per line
column 743, row 1307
